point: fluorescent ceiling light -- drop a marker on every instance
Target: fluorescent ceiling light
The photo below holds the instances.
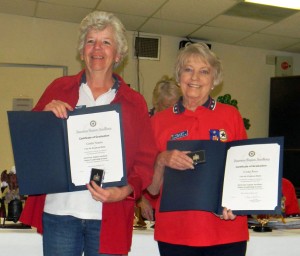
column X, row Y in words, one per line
column 291, row 4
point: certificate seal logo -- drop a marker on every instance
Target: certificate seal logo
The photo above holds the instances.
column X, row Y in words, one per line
column 251, row 153
column 93, row 123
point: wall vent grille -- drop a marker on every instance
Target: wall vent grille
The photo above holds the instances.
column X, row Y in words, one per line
column 147, row 47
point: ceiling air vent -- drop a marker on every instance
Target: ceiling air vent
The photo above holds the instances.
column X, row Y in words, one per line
column 147, row 47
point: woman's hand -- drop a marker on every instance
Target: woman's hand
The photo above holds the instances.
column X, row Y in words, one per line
column 172, row 158
column 108, row 195
column 146, row 208
column 175, row 159
column 59, row 108
column 227, row 215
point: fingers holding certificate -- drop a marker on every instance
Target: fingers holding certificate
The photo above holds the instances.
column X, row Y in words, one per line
column 110, row 194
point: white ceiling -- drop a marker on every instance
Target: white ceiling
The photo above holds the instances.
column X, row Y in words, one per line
column 224, row 21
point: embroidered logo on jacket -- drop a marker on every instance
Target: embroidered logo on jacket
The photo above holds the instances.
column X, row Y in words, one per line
column 223, row 135
column 179, row 135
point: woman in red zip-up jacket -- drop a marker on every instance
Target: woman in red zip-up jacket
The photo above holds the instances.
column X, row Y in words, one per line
column 196, row 116
column 96, row 221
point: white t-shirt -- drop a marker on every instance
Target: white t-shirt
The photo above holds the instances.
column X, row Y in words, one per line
column 79, row 204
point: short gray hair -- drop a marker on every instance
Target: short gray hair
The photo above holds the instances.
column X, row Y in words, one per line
column 202, row 51
column 98, row 20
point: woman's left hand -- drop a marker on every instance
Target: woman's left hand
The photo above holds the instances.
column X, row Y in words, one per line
column 146, row 208
column 108, row 195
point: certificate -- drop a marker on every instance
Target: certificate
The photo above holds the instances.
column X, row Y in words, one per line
column 95, row 141
column 55, row 155
column 244, row 176
column 251, row 177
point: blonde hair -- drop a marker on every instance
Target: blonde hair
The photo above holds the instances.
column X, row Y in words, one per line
column 165, row 88
column 202, row 51
column 99, row 21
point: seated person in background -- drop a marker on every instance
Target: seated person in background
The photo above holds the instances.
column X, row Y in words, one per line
column 291, row 201
column 165, row 94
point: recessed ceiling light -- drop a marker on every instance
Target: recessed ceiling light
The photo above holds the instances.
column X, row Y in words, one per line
column 290, row 4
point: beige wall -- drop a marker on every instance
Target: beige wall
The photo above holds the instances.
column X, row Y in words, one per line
column 37, row 41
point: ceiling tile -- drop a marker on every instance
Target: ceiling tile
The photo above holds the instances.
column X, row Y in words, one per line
column 18, row 7
column 226, row 21
column 168, row 27
column 273, row 42
column 76, row 3
column 62, row 13
column 131, row 22
column 134, row 7
column 239, row 23
column 294, row 48
column 288, row 27
column 260, row 12
column 219, row 35
column 193, row 11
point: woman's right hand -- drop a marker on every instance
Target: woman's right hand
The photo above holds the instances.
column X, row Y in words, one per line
column 175, row 159
column 146, row 208
column 59, row 108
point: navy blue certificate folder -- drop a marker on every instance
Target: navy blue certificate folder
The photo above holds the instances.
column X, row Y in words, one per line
column 41, row 155
column 202, row 188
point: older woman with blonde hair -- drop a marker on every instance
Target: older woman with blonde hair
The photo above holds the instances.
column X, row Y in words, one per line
column 196, row 116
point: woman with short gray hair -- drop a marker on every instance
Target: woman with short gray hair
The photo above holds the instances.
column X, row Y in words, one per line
column 96, row 221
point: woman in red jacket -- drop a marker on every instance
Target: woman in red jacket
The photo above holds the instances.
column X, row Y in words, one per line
column 196, row 116
column 96, row 220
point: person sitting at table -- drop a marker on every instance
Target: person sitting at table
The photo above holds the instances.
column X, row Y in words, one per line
column 291, row 204
column 165, row 94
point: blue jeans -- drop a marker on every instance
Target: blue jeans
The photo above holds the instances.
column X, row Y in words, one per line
column 70, row 236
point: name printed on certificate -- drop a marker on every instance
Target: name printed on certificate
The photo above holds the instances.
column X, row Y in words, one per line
column 251, row 177
column 95, row 142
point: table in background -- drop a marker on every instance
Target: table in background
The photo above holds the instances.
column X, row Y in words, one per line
column 17, row 242
column 276, row 243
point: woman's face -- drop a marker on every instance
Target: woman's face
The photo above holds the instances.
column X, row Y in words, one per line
column 196, row 80
column 100, row 50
